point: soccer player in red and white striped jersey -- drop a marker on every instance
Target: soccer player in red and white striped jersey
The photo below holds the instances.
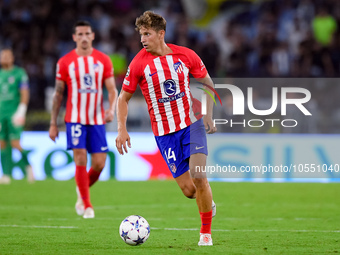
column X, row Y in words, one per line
column 162, row 72
column 173, row 99
column 84, row 70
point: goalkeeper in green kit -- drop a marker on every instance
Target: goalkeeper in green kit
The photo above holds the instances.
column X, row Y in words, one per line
column 14, row 97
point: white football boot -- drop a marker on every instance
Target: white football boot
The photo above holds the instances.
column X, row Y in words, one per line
column 80, row 209
column 5, row 179
column 205, row 240
column 89, row 213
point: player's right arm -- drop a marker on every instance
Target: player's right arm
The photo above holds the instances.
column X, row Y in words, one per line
column 130, row 82
column 123, row 137
column 19, row 116
column 57, row 100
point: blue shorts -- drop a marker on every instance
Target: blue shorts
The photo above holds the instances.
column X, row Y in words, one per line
column 89, row 137
column 176, row 148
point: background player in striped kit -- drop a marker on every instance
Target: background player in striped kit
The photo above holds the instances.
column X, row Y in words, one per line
column 162, row 72
column 14, row 98
column 84, row 70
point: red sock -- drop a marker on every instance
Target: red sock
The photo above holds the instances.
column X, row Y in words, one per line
column 82, row 181
column 206, row 218
column 93, row 176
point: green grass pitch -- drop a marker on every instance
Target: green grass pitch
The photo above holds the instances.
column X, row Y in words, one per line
column 252, row 218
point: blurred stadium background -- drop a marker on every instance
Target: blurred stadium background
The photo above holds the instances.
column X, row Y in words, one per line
column 235, row 39
column 279, row 38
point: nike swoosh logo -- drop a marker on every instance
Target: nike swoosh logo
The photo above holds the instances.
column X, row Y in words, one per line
column 103, row 148
column 197, row 148
column 152, row 73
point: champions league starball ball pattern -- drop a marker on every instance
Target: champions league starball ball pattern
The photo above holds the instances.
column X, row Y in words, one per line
column 134, row 230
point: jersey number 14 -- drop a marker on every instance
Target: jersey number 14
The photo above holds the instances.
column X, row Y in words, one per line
column 170, row 155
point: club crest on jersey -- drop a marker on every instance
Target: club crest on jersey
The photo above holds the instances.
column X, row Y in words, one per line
column 75, row 141
column 173, row 167
column 88, row 80
column 169, row 87
column 96, row 68
column 178, row 67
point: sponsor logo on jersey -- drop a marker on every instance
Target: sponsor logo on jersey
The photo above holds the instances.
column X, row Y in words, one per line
column 126, row 82
column 178, row 67
column 87, row 90
column 170, row 99
column 170, row 87
column 11, row 79
column 88, row 80
column 151, row 74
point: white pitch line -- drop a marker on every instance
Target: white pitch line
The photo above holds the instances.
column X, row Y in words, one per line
column 237, row 219
column 62, row 219
column 97, row 218
column 33, row 226
column 307, row 218
column 251, row 230
column 192, row 218
column 189, row 229
column 109, row 207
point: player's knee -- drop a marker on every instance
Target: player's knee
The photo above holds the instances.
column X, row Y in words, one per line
column 189, row 191
column 80, row 159
column 201, row 183
column 3, row 145
column 16, row 144
column 195, row 174
column 98, row 166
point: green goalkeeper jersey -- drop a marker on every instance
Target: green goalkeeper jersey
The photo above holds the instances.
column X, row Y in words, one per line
column 11, row 82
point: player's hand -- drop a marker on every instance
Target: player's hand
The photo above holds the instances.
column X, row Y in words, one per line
column 19, row 117
column 53, row 132
column 121, row 140
column 109, row 115
column 18, row 120
column 209, row 125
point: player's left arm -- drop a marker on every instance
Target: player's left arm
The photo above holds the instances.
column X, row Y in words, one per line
column 113, row 94
column 207, row 119
column 198, row 70
column 19, row 116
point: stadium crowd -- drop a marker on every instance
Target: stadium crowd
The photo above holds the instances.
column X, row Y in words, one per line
column 279, row 38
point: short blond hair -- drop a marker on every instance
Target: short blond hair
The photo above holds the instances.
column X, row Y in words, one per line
column 151, row 20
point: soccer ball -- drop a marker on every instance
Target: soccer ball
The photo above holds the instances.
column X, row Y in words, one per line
column 134, row 230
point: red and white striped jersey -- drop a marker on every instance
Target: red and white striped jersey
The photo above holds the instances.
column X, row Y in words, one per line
column 164, row 82
column 84, row 77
